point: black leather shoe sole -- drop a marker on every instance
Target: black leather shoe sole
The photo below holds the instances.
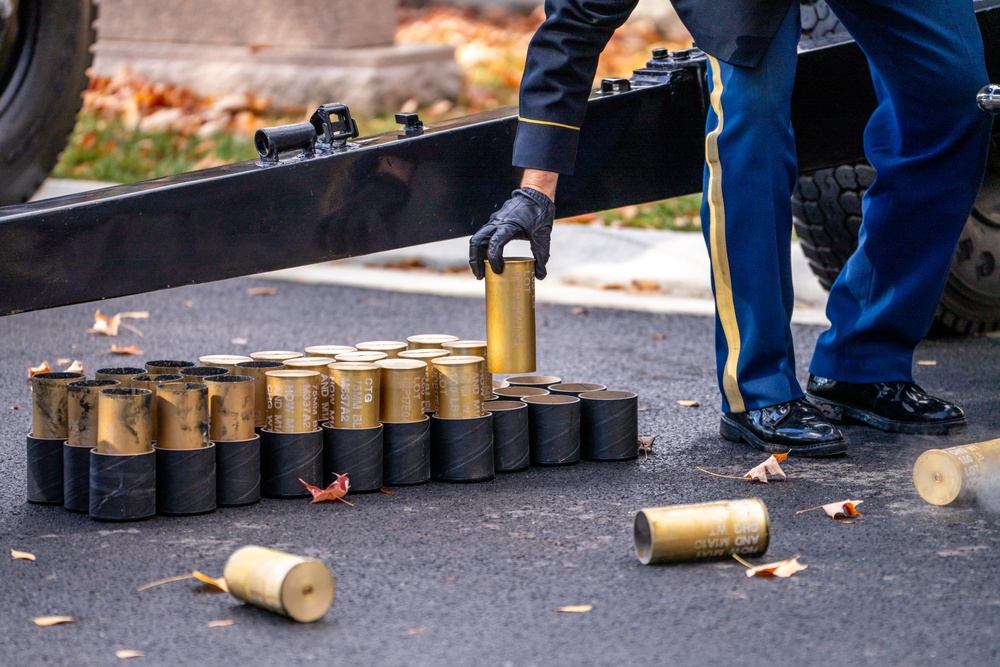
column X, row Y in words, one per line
column 735, row 432
column 841, row 412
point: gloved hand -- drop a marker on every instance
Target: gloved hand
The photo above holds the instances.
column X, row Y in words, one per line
column 528, row 216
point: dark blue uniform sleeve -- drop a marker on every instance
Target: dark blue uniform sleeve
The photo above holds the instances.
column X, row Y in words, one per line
column 558, row 77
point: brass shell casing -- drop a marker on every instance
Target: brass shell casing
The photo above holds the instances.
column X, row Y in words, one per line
column 230, row 407
column 82, row 410
column 500, row 384
column 516, row 393
column 401, row 394
column 427, row 356
column 328, row 350
column 124, row 423
column 541, row 381
column 256, row 370
column 292, row 401
column 300, row 588
column 227, row 361
column 943, row 476
column 510, row 316
column 321, row 366
column 458, row 382
column 150, row 381
column 167, row 366
column 123, row 374
column 199, row 373
column 275, row 355
column 475, row 348
column 390, row 347
column 429, row 341
column 356, row 394
column 182, row 415
column 360, row 357
column 50, row 404
column 705, row 530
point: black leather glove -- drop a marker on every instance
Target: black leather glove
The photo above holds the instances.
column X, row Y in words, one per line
column 528, row 216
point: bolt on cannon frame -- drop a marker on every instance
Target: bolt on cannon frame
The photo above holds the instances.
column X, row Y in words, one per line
column 319, row 193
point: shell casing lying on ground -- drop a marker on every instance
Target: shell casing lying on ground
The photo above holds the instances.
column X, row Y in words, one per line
column 227, row 361
column 322, row 366
column 541, row 381
column 82, row 410
column 199, row 373
column 391, row 347
column 356, row 394
column 182, row 415
column 510, row 316
column 123, row 374
column 458, row 382
column 162, row 366
column 361, row 357
column 50, row 404
column 328, row 350
column 943, row 476
column 300, row 588
column 429, row 341
column 275, row 355
column 474, row 348
column 427, row 356
column 230, row 407
column 150, row 381
column 705, row 530
column 292, row 401
column 257, row 370
column 124, row 423
column 401, row 394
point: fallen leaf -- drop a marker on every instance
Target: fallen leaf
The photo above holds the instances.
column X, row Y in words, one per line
column 131, row 349
column 21, row 555
column 75, row 367
column 415, row 631
column 218, row 584
column 262, row 291
column 106, row 325
column 125, row 654
column 239, row 341
column 46, row 621
column 645, row 285
column 387, row 492
column 39, row 369
column 64, row 360
column 926, row 362
column 646, row 445
column 335, row 491
column 576, row 608
column 579, row 310
column 134, row 315
column 688, row 403
column 168, row 580
column 782, row 568
column 15, row 407
column 843, row 511
column 220, row 624
column 659, row 336
column 187, row 303
column 770, row 466
column 643, row 408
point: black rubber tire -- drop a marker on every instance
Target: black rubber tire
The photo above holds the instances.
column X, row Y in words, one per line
column 826, row 209
column 38, row 106
column 819, row 24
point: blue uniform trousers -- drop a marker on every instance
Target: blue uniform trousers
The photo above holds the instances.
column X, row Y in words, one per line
column 927, row 142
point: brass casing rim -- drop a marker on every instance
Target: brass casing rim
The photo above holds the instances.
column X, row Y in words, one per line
column 361, row 357
column 401, row 364
column 608, row 395
column 533, row 380
column 464, row 360
column 222, row 359
column 328, row 350
column 275, row 355
column 550, row 399
column 503, row 406
column 577, row 387
column 423, row 418
column 520, row 392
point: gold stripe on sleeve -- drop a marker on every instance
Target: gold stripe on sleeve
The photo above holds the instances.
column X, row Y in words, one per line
column 546, row 122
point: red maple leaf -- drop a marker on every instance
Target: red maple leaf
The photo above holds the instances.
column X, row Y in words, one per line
column 335, row 491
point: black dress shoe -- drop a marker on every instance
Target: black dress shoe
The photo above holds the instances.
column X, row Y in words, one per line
column 899, row 407
column 796, row 427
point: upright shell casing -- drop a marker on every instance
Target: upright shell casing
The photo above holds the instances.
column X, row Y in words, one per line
column 510, row 316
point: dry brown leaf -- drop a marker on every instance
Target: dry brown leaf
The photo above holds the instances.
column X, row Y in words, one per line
column 125, row 654
column 576, row 608
column 926, row 362
column 187, row 303
column 134, row 315
column 770, row 466
column 578, row 310
column 644, row 285
column 335, row 491
column 63, row 360
column 15, row 407
column 75, row 367
column 21, row 555
column 659, row 336
column 130, row 350
column 646, row 445
column 262, row 291
column 387, row 492
column 46, row 621
column 782, row 568
column 843, row 511
column 220, row 624
column 168, row 580
column 106, row 325
column 687, row 403
column 218, row 584
column 39, row 369
column 239, row 341
column 643, row 408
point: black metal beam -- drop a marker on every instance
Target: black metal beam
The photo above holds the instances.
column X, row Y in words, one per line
column 399, row 189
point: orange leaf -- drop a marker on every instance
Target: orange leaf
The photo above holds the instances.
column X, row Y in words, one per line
column 335, row 491
column 843, row 511
column 106, row 325
column 39, row 369
column 782, row 568
column 219, row 583
column 131, row 349
column 75, row 367
column 262, row 291
column 769, row 466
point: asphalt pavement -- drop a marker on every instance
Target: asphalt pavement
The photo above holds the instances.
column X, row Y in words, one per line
column 473, row 574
